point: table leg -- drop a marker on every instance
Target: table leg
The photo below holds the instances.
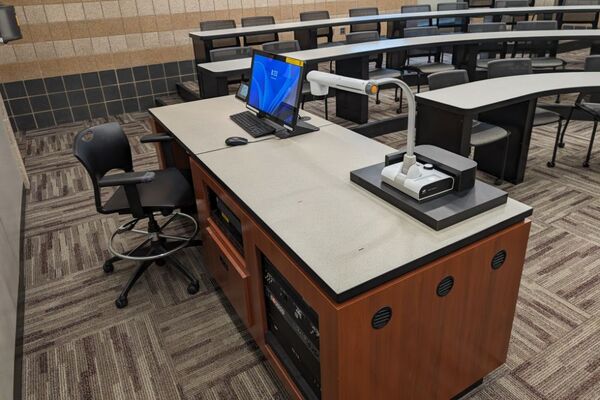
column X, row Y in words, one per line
column 351, row 106
column 465, row 56
column 201, row 54
column 518, row 119
column 445, row 129
column 212, row 85
column 307, row 38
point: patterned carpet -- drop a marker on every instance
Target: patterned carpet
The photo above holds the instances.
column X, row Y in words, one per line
column 168, row 345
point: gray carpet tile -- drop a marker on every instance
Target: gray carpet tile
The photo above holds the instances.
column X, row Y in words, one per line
column 169, row 345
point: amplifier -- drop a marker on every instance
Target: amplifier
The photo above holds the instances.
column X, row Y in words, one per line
column 293, row 331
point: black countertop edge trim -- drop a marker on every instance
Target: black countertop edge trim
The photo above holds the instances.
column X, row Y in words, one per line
column 399, row 271
column 514, row 100
column 18, row 363
column 398, row 16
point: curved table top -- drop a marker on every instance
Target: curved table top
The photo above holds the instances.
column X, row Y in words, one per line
column 489, row 93
column 381, row 46
column 470, row 12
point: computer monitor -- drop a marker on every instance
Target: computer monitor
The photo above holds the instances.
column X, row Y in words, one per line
column 275, row 88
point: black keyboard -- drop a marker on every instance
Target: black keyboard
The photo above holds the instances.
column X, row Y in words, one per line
column 252, row 124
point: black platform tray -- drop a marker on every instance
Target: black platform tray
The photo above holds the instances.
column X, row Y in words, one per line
column 438, row 213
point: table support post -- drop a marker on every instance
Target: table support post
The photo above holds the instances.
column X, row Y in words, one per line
column 212, row 85
column 307, row 38
column 445, row 129
column 351, row 106
column 201, row 54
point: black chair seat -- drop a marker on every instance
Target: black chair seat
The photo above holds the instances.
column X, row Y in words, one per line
column 591, row 108
column 547, row 63
column 483, row 133
column 169, row 190
column 545, row 117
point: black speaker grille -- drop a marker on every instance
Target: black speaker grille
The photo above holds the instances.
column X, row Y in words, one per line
column 498, row 259
column 445, row 286
column 381, row 317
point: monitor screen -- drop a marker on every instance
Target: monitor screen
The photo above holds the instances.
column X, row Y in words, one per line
column 275, row 86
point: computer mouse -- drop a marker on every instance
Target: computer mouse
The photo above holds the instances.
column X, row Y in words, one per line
column 236, row 141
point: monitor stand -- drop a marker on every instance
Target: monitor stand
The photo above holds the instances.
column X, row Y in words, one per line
column 301, row 128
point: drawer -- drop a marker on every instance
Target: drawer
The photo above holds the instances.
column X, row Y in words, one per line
column 229, row 273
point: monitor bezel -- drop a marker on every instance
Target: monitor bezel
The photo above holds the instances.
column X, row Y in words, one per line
column 300, row 64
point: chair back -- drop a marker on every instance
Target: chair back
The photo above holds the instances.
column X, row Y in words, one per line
column 417, row 8
column 510, row 19
column 487, row 49
column 509, row 67
column 369, row 26
column 444, row 79
column 418, row 32
column 585, row 19
column 480, row 3
column 536, row 48
column 283, row 46
column 456, row 22
column 100, row 149
column 230, row 53
column 326, row 31
column 258, row 39
column 361, row 37
column 220, row 24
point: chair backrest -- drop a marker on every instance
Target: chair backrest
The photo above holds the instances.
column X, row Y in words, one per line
column 490, row 49
column 316, row 15
column 509, row 67
column 100, row 149
column 369, row 26
column 230, row 53
column 253, row 40
column 589, row 19
column 418, row 32
column 444, row 79
column 283, row 46
column 417, row 8
column 536, row 48
column 361, row 37
column 220, row 24
column 510, row 19
column 480, row 3
column 456, row 22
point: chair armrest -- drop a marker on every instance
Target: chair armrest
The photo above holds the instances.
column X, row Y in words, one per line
column 156, row 138
column 126, row 178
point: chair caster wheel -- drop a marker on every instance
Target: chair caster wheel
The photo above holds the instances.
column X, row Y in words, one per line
column 378, row 102
column 121, row 302
column 550, row 164
column 160, row 262
column 108, row 267
column 561, row 145
column 498, row 182
column 193, row 287
column 586, row 164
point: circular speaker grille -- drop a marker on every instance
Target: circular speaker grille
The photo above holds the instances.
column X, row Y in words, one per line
column 381, row 317
column 498, row 259
column 445, row 286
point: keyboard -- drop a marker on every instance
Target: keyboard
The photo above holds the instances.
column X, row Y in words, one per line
column 252, row 124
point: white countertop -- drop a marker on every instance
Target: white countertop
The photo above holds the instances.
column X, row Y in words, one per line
column 488, row 92
column 472, row 12
column 194, row 123
column 381, row 46
column 301, row 189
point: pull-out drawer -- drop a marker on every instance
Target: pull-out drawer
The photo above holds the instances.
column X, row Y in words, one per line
column 229, row 273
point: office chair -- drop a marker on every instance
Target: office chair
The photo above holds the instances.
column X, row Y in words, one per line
column 456, row 24
column 255, row 40
column 287, row 46
column 522, row 66
column 589, row 103
column 367, row 27
column 428, row 67
column 324, row 32
column 542, row 52
column 482, row 133
column 143, row 195
column 489, row 51
column 220, row 24
column 416, row 8
column 377, row 73
column 578, row 20
column 510, row 20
